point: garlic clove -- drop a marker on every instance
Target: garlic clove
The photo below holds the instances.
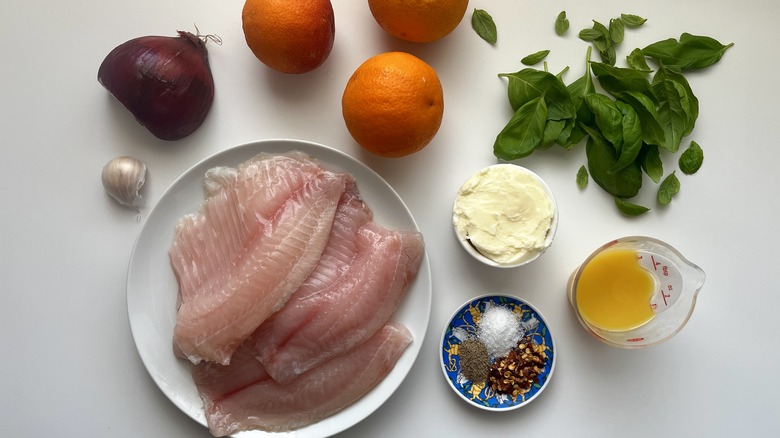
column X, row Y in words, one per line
column 123, row 178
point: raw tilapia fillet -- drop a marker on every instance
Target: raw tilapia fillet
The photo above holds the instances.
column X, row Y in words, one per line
column 258, row 402
column 259, row 235
column 340, row 252
column 239, row 200
column 344, row 302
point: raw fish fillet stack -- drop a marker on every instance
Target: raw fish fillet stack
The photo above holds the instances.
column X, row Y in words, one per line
column 268, row 405
column 287, row 288
column 259, row 236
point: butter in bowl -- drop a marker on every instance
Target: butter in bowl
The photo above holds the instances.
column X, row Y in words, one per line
column 505, row 215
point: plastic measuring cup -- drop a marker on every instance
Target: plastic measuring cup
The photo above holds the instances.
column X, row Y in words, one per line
column 677, row 282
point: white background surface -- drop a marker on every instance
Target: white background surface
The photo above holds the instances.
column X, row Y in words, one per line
column 70, row 367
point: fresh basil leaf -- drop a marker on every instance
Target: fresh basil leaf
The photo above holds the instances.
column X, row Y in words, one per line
column 552, row 130
column 650, row 160
column 645, row 107
column 582, row 86
column 598, row 35
column 535, row 58
column 690, row 101
column 528, row 84
column 524, row 131
column 632, row 136
column 561, row 23
column 636, row 60
column 482, row 22
column 624, row 183
column 669, row 187
column 593, row 131
column 685, row 103
column 631, row 20
column 582, row 177
column 689, row 53
column 603, row 30
column 691, row 159
column 602, row 44
column 608, row 118
column 590, row 35
column 573, row 134
column 615, row 80
column 671, row 112
column 608, row 55
column 617, row 30
column 565, row 139
column 702, row 42
column 630, row 209
column 666, row 51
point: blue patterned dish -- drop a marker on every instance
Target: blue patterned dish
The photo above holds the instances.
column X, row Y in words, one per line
column 464, row 323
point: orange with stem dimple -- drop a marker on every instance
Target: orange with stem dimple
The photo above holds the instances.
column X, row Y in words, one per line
column 419, row 21
column 290, row 36
column 393, row 104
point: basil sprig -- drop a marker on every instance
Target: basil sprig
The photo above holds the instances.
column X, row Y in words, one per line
column 606, row 38
column 641, row 111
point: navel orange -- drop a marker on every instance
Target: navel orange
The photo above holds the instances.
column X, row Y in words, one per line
column 291, row 36
column 393, row 104
column 419, row 21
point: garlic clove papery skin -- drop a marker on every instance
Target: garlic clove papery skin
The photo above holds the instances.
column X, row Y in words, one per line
column 123, row 178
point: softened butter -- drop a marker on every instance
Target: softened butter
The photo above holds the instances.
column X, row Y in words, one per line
column 505, row 213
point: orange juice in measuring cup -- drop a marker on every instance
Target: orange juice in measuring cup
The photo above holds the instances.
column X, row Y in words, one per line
column 634, row 292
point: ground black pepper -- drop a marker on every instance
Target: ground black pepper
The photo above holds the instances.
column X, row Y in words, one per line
column 474, row 360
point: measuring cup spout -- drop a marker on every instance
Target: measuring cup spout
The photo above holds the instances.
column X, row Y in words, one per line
column 693, row 276
column 698, row 276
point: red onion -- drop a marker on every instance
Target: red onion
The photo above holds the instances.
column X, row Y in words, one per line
column 165, row 82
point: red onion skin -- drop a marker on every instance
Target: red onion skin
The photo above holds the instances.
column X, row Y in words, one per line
column 165, row 82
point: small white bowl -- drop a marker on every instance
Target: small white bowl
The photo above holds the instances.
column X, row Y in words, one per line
column 471, row 249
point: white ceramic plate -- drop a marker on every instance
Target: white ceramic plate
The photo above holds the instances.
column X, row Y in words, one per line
column 152, row 287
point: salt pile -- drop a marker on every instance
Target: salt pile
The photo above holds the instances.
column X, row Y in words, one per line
column 499, row 329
